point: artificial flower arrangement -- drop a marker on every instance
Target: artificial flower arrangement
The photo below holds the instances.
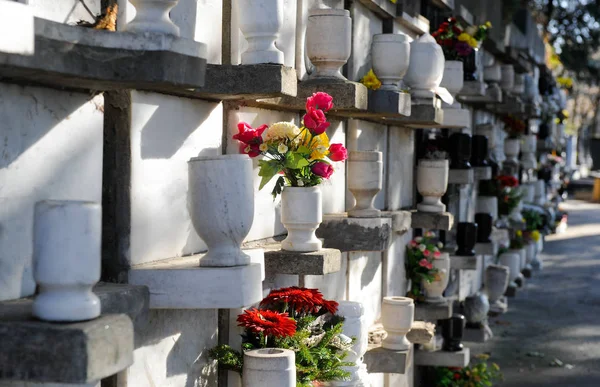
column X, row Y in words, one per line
column 515, row 127
column 478, row 374
column 298, row 319
column 302, row 155
column 534, row 222
column 420, row 254
column 517, row 242
column 508, row 196
column 458, row 42
column 371, row 81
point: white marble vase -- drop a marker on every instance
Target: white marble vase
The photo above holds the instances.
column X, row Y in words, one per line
column 66, row 260
column 301, row 215
column 328, row 41
column 397, row 315
column 496, row 281
column 153, row 16
column 453, row 80
column 365, row 180
column 432, row 182
column 391, row 56
column 221, row 209
column 513, row 262
column 261, row 22
column 426, row 67
column 354, row 326
column 269, row 367
column 434, row 290
column 512, row 147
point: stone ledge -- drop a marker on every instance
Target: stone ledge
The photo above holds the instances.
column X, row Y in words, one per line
column 461, row 176
column 456, row 118
column 510, row 105
column 478, row 335
column 421, row 332
column 433, row 312
column 460, row 262
column 432, row 220
column 493, row 95
column 472, row 89
column 401, row 220
column 386, row 361
column 341, row 232
column 486, row 249
column 321, row 262
column 384, row 8
column 482, row 173
column 179, row 283
column 442, row 358
column 418, row 24
column 384, row 105
column 421, row 116
column 84, row 352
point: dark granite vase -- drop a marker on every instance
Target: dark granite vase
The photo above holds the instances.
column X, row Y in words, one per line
column 484, row 227
column 470, row 66
column 466, row 237
column 460, row 151
column 452, row 333
column 479, row 151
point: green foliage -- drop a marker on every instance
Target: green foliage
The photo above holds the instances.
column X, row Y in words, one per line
column 508, row 200
column 533, row 219
column 227, row 357
column 478, row 374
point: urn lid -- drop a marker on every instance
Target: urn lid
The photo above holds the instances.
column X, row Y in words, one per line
column 399, row 37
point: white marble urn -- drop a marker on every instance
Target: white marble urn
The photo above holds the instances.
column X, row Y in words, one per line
column 328, row 41
column 522, row 257
column 492, row 73
column 496, row 281
column 391, row 56
column 487, row 205
column 153, row 16
column 365, row 180
column 260, row 22
column 432, row 182
column 426, row 67
column 508, row 77
column 222, row 210
column 512, row 147
column 397, row 315
column 355, row 325
column 513, row 262
column 453, row 80
column 66, row 260
column 301, row 215
column 269, row 367
column 434, row 290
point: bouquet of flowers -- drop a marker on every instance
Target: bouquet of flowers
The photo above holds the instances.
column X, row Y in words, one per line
column 457, row 42
column 478, row 374
column 302, row 155
column 515, row 127
column 508, row 196
column 299, row 319
column 517, row 242
column 420, row 254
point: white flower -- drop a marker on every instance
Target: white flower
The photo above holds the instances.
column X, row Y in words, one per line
column 418, row 239
column 440, row 245
column 263, row 147
column 281, row 131
column 282, row 148
column 422, row 247
column 300, row 183
column 436, row 250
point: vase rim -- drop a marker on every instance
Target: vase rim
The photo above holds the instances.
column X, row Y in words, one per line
column 434, row 163
column 220, row 158
column 302, row 189
column 398, row 300
column 391, row 37
column 328, row 12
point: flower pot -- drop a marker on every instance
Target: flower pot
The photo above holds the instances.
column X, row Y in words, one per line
column 452, row 332
column 513, row 262
column 426, row 67
column 487, row 204
column 355, row 326
column 435, row 289
column 530, row 252
column 466, row 237
column 432, row 182
column 328, row 41
column 452, row 79
column 508, row 77
column 390, row 55
column 522, row 257
column 222, row 210
column 66, row 260
column 260, row 22
column 493, row 73
column 365, row 180
column 496, row 281
column 301, row 215
column 528, row 191
column 397, row 314
column 470, row 67
column 153, row 16
column 460, row 151
column 484, row 227
column 476, row 309
column 479, row 151
column 269, row 367
column 540, row 192
column 512, row 147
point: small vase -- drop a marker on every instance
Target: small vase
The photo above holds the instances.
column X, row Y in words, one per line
column 530, row 250
column 513, row 262
column 328, row 41
column 397, row 315
column 487, row 204
column 528, row 152
column 470, row 67
column 365, row 180
column 496, row 282
column 452, row 79
column 269, row 367
column 493, row 73
column 432, row 182
column 301, row 215
column 476, row 309
column 426, row 67
column 153, row 16
column 536, row 263
column 512, row 147
column 466, row 238
column 434, row 290
column 484, row 227
column 355, row 326
column 460, row 151
column 452, row 333
column 222, row 210
column 66, row 260
column 391, row 56
column 522, row 257
column 260, row 22
column 479, row 151
column 508, row 77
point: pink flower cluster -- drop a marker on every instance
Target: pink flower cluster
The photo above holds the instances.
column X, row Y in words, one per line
column 316, row 107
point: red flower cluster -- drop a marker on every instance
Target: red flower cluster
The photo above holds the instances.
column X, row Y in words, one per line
column 316, row 107
column 508, row 181
column 515, row 126
column 337, row 152
column 268, row 322
column 250, row 138
column 322, row 169
column 447, row 37
column 300, row 300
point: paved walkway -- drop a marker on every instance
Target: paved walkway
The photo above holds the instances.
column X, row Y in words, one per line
column 557, row 315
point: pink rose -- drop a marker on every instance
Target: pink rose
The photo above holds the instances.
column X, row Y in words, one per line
column 337, row 152
column 315, row 120
column 426, row 253
column 322, row 169
column 319, row 100
column 437, row 254
column 413, row 244
column 426, row 264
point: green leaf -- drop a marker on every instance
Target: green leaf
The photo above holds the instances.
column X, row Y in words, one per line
column 295, row 161
column 278, row 187
column 267, row 169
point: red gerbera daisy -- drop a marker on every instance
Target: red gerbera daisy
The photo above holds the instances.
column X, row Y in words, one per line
column 299, row 299
column 330, row 306
column 268, row 322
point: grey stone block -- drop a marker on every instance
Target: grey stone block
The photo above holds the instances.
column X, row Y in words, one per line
column 464, row 263
column 472, row 89
column 387, row 104
column 480, row 334
column 456, row 118
column 482, row 173
column 82, row 352
column 432, row 220
column 84, row 58
column 486, row 249
column 433, row 312
column 385, row 361
column 443, row 358
column 401, row 220
column 510, row 105
column 321, row 262
column 461, row 176
column 493, row 95
column 421, row 332
column 421, row 116
column 355, row 234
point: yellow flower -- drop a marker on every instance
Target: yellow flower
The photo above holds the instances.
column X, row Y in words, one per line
column 488, row 24
column 263, row 147
column 282, row 148
column 483, row 356
column 473, row 42
column 495, row 366
column 371, row 81
column 535, row 235
column 281, row 131
column 318, row 144
column 519, row 233
column 464, row 37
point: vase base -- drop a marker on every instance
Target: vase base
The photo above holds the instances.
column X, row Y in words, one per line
column 365, row 213
column 264, row 56
column 396, row 345
column 431, row 207
column 153, row 27
column 224, row 259
column 66, row 305
column 301, row 247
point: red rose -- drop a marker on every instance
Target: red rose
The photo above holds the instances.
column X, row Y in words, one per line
column 337, row 152
column 251, row 150
column 456, row 30
column 316, row 121
column 319, row 100
column 456, row 376
column 247, row 135
column 322, row 169
column 444, row 25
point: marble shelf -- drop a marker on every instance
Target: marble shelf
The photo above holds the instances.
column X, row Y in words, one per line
column 482, row 173
column 401, row 220
column 461, row 176
column 442, row 358
column 384, row 105
column 380, row 360
column 384, row 8
column 486, row 249
column 432, row 220
column 464, row 263
column 456, row 118
column 433, row 312
column 493, row 95
column 339, row 231
column 472, row 89
column 321, row 262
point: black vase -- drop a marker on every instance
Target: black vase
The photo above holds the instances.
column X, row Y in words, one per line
column 470, row 66
column 466, row 237
column 543, row 131
column 479, row 151
column 484, row 227
column 460, row 151
column 452, row 333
